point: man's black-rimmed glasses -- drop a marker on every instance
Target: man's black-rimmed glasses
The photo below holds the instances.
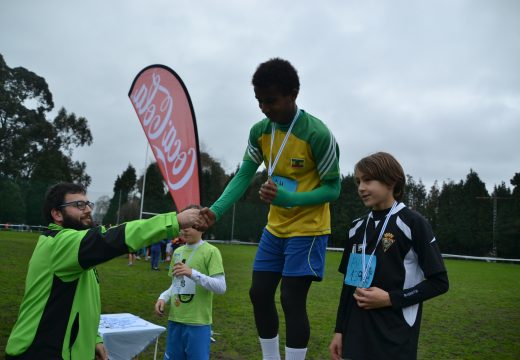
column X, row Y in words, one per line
column 80, row 204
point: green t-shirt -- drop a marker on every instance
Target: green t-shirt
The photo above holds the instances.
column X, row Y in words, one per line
column 207, row 260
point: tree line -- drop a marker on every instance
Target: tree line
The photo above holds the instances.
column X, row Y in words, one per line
column 36, row 152
column 466, row 219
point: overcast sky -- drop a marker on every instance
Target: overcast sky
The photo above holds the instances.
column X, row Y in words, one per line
column 436, row 83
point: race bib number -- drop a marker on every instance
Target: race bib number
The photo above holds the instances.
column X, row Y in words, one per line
column 288, row 184
column 183, row 285
column 354, row 275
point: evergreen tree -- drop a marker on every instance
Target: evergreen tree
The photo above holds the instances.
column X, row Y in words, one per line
column 157, row 198
column 515, row 181
column 213, row 180
column 448, row 232
column 432, row 206
column 124, row 186
column 415, row 196
column 127, row 183
column 12, row 209
column 508, row 219
column 111, row 216
column 464, row 223
column 344, row 210
column 476, row 216
column 130, row 210
column 502, row 208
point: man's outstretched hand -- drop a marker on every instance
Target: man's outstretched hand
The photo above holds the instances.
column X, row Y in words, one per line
column 205, row 220
column 188, row 218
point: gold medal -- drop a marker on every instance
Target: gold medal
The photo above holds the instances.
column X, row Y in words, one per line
column 177, row 301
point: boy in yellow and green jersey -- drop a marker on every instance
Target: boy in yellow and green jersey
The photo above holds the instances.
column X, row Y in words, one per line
column 301, row 157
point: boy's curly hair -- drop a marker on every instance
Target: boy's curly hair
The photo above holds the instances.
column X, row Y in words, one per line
column 277, row 72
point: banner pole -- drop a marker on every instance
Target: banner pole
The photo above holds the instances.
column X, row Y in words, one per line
column 144, row 181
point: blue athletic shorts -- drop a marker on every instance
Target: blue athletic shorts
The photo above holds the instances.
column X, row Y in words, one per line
column 294, row 256
column 187, row 341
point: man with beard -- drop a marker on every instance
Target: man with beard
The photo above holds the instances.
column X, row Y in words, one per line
column 60, row 310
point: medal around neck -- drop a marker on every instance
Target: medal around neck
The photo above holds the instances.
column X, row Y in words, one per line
column 272, row 164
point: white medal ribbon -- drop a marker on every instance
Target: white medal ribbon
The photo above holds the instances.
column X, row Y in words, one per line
column 367, row 267
column 195, row 248
column 270, row 169
column 189, row 284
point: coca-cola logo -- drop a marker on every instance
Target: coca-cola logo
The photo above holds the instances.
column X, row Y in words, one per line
column 153, row 103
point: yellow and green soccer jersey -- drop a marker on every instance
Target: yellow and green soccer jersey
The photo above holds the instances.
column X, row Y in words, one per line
column 309, row 158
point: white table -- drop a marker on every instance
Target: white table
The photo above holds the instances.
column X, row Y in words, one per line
column 127, row 335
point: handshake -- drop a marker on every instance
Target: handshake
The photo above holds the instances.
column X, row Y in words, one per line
column 199, row 219
column 202, row 219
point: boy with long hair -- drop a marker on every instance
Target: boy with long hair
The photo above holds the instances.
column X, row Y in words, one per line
column 197, row 273
column 391, row 264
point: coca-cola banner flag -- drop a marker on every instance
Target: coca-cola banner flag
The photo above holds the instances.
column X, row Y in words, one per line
column 164, row 108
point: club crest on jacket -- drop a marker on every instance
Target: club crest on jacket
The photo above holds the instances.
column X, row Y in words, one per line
column 388, row 240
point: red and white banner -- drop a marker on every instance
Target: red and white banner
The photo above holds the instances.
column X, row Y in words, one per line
column 164, row 108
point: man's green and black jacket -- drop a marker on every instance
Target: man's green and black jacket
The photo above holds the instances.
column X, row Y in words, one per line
column 60, row 310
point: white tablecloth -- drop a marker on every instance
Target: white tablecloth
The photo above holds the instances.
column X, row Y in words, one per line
column 126, row 335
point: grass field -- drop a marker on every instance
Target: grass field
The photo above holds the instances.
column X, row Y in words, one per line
column 479, row 318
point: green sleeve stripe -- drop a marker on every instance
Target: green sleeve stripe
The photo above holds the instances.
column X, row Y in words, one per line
column 322, row 143
column 254, row 153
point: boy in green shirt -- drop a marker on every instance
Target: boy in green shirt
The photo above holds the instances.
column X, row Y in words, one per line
column 197, row 272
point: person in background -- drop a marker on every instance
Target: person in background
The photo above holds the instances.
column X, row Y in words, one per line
column 131, row 258
column 155, row 251
column 169, row 250
column 175, row 243
column 60, row 310
column 178, row 241
column 163, row 250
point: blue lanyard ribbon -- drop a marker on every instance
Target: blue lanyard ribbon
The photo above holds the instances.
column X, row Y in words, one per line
column 367, row 267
